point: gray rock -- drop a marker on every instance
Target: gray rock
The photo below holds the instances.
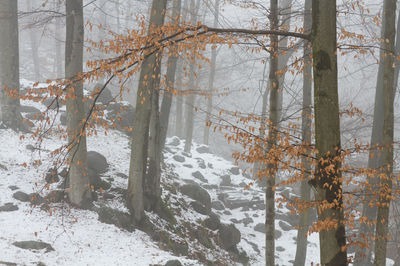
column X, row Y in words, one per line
column 7, row 263
column 124, row 176
column 108, row 196
column 234, row 170
column 173, row 263
column 52, row 176
column 105, row 96
column 120, row 219
column 217, row 205
column 260, row 228
column 247, row 221
column 226, row 212
column 28, row 109
column 33, row 198
column 186, row 154
column 280, row 249
column 55, row 196
column 285, row 226
column 13, row 187
column 203, row 149
column 210, row 165
column 188, row 165
column 30, row 147
column 97, row 162
column 52, row 103
column 196, row 192
column 36, row 245
column 226, row 180
column 199, row 176
column 201, row 163
column 229, row 236
column 234, row 220
column 174, row 142
column 35, row 116
column 199, row 207
column 8, row 207
column 203, row 237
column 212, row 222
column 123, row 118
column 178, row 158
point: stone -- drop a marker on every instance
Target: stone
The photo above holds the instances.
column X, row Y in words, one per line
column 52, row 103
column 12, row 187
column 229, row 236
column 52, row 176
column 226, row 180
column 28, row 109
column 203, row 237
column 36, row 245
column 33, row 198
column 247, row 221
column 124, row 176
column 199, row 176
column 234, row 170
column 201, row 163
column 187, row 154
column 173, row 263
column 178, row 158
column 203, row 149
column 55, row 196
column 280, row 249
column 8, row 207
column 260, row 227
column 108, row 196
column 226, row 212
column 285, row 226
column 188, row 165
column 212, row 222
column 35, row 116
column 199, row 207
column 123, row 118
column 120, row 219
column 217, row 205
column 234, row 220
column 7, row 263
column 210, row 165
column 105, row 96
column 175, row 141
column 196, row 192
column 97, row 162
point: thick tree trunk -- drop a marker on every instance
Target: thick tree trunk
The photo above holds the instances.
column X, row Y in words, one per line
column 79, row 193
column 327, row 183
column 389, row 10
column 9, row 65
column 140, row 136
column 306, row 134
column 272, row 139
column 179, row 101
column 211, row 80
column 170, row 83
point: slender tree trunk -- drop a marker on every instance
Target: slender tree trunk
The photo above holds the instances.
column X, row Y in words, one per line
column 272, row 139
column 301, row 248
column 58, row 44
column 34, row 48
column 140, row 136
column 79, row 193
column 211, row 80
column 170, row 83
column 389, row 30
column 327, row 183
column 179, row 101
column 9, row 64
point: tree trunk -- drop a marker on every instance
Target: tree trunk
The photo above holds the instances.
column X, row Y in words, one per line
column 389, row 30
column 211, row 80
column 58, row 42
column 179, row 101
column 34, row 48
column 306, row 134
column 141, row 121
column 9, row 65
column 170, row 83
column 79, row 193
column 272, row 139
column 327, row 132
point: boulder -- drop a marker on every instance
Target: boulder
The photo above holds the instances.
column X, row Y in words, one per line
column 122, row 175
column 8, row 207
column 199, row 207
column 226, row 180
column 260, row 228
column 285, row 226
column 28, row 109
column 199, row 176
column 55, row 196
column 178, row 158
column 97, row 162
column 52, row 103
column 229, row 236
column 36, row 245
column 12, row 187
column 234, row 170
column 280, row 249
column 105, row 96
column 196, row 192
column 120, row 219
column 188, row 165
column 173, row 263
column 123, row 118
column 212, row 222
column 52, row 176
column 175, row 141
column 33, row 198
column 203, row 149
column 217, row 205
column 201, row 163
column 247, row 221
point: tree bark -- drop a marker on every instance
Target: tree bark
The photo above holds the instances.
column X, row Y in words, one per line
column 389, row 10
column 301, row 248
column 9, row 65
column 140, row 136
column 170, row 83
column 327, row 132
column 79, row 193
column 34, row 48
column 58, row 42
column 211, row 80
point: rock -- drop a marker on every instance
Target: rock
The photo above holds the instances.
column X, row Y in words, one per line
column 201, row 163
column 36, row 245
column 178, row 247
column 234, row 220
column 30, row 147
column 105, row 96
column 120, row 219
column 292, row 219
column 55, row 196
column 35, row 116
column 178, row 158
column 203, row 149
column 175, row 141
column 123, row 118
column 52, row 103
column 108, row 196
column 21, row 196
column 247, row 221
column 96, row 181
column 173, row 263
column 285, row 226
column 97, row 162
column 278, row 234
column 280, row 249
column 63, row 118
column 203, row 237
column 226, row 180
column 226, row 212
column 13, row 187
column 210, row 186
column 33, row 198
column 188, row 165
column 212, row 222
column 52, row 176
column 210, row 165
column 260, row 228
column 7, row 263
column 199, row 207
column 186, row 154
column 196, row 192
column 234, row 170
column 8, row 207
column 229, row 236
column 124, row 176
column 28, row 109
column 199, row 176
column 217, row 205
